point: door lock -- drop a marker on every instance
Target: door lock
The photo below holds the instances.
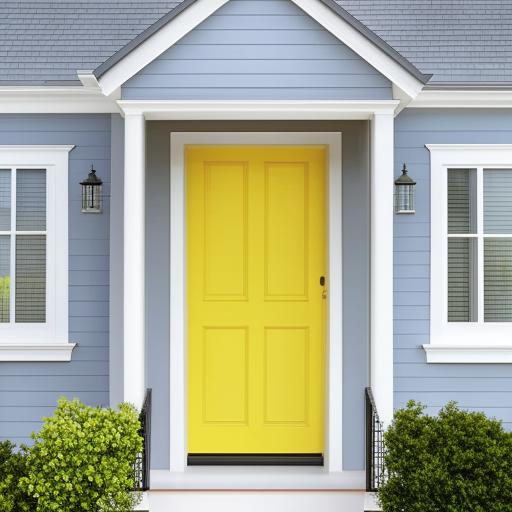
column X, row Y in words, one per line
column 322, row 283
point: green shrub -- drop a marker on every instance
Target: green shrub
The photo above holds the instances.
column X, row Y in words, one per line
column 458, row 461
column 12, row 468
column 82, row 459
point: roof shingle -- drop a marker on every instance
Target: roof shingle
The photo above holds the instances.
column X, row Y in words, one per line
column 46, row 41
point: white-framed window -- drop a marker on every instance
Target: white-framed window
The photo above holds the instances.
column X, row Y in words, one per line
column 34, row 253
column 471, row 254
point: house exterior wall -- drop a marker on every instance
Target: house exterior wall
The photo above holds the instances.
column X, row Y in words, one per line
column 29, row 391
column 355, row 273
column 258, row 50
column 476, row 386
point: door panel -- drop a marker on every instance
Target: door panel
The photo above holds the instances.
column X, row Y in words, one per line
column 255, row 253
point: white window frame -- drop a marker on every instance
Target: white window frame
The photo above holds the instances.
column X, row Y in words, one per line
column 462, row 342
column 43, row 341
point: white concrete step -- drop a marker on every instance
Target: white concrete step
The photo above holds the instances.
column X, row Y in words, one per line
column 256, row 501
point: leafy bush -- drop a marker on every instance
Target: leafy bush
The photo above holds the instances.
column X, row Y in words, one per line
column 458, row 461
column 12, row 468
column 82, row 459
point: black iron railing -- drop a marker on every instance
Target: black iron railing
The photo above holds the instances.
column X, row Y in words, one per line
column 375, row 472
column 142, row 462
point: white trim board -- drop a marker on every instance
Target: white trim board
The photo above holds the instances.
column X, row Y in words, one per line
column 200, row 10
column 258, row 109
column 461, row 342
column 462, row 99
column 30, row 351
column 178, row 394
column 55, row 100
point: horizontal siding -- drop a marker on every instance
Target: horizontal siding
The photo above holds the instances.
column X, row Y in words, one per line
column 475, row 387
column 258, row 50
column 29, row 391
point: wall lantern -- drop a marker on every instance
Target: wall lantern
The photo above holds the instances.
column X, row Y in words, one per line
column 404, row 193
column 91, row 193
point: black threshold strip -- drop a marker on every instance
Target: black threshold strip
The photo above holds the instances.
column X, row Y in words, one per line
column 255, row 459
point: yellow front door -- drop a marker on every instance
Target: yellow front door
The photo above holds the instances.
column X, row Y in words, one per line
column 256, row 308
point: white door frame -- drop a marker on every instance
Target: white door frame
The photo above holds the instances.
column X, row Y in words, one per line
column 178, row 301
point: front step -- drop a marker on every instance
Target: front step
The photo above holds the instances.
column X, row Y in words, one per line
column 370, row 503
column 257, row 501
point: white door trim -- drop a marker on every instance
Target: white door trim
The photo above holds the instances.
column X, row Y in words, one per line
column 178, row 381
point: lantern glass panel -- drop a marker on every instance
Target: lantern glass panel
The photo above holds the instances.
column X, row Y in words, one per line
column 404, row 199
column 91, row 198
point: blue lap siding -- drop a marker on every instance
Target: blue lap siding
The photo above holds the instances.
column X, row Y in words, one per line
column 29, row 391
column 474, row 387
column 258, row 50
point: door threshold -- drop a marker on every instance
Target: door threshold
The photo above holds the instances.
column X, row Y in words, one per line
column 255, row 459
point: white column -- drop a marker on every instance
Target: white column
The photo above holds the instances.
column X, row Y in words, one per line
column 382, row 189
column 134, row 265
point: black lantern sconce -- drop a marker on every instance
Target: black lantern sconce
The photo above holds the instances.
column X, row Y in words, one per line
column 404, row 193
column 91, row 193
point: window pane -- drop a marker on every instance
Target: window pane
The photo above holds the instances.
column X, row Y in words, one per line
column 498, row 280
column 462, row 280
column 31, row 200
column 5, row 199
column 498, row 201
column 5, row 279
column 462, row 201
column 30, row 278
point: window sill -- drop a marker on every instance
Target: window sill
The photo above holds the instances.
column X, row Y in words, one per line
column 469, row 354
column 19, row 351
column 256, row 477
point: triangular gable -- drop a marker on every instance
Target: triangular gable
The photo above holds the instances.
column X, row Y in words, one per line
column 258, row 51
column 189, row 14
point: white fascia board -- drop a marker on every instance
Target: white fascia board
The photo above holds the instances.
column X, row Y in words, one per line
column 55, row 100
column 88, row 79
column 155, row 45
column 462, row 99
column 368, row 51
column 258, row 110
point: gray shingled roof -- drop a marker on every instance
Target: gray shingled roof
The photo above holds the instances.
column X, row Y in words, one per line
column 455, row 40
column 46, row 41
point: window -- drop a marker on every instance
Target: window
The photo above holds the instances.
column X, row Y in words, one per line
column 471, row 260
column 34, row 253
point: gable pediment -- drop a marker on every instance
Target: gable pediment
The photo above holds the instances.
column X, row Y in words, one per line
column 272, row 50
column 260, row 34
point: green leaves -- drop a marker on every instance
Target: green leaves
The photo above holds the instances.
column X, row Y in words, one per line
column 82, row 460
column 12, row 468
column 456, row 462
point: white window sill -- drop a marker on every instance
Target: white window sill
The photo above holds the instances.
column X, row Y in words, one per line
column 20, row 351
column 469, row 354
column 256, row 477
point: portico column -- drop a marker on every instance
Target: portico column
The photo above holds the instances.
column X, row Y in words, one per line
column 134, row 264
column 382, row 189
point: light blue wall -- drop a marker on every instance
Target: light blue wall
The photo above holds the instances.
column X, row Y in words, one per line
column 258, row 50
column 355, row 273
column 29, row 391
column 478, row 387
